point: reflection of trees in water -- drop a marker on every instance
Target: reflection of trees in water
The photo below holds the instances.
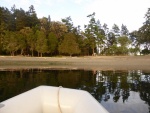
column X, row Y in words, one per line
column 119, row 84
column 144, row 91
column 17, row 81
column 142, row 84
column 102, row 84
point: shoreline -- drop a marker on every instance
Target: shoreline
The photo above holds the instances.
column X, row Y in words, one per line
column 86, row 62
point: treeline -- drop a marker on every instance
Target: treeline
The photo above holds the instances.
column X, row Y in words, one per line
column 23, row 33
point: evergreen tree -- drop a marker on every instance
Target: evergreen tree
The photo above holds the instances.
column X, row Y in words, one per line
column 124, row 30
column 41, row 43
column 116, row 30
column 20, row 19
column 144, row 31
column 111, row 39
column 52, row 43
column 94, row 33
column 31, row 42
column 58, row 28
column 31, row 17
column 22, row 43
column 68, row 22
column 45, row 25
column 69, row 45
column 11, row 43
column 124, row 42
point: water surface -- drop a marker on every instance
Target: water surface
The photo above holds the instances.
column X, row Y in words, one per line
column 118, row 91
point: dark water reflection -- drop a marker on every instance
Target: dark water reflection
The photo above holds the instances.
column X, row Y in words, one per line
column 117, row 91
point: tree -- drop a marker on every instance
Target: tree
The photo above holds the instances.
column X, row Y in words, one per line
column 5, row 25
column 145, row 51
column 10, row 42
column 30, row 39
column 52, row 43
column 115, row 30
column 135, row 45
column 124, row 30
column 94, row 33
column 31, row 10
column 31, row 42
column 41, row 43
column 106, row 29
column 144, row 36
column 111, row 39
column 68, row 22
column 147, row 17
column 134, row 50
column 31, row 17
column 20, row 19
column 45, row 25
column 144, row 31
column 124, row 42
column 134, row 37
column 90, row 32
column 85, row 47
column 58, row 29
column 22, row 43
column 69, row 45
column 2, row 36
column 5, row 18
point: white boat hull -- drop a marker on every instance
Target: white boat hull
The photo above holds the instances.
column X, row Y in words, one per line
column 47, row 99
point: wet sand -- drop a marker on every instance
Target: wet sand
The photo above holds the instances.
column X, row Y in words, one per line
column 87, row 62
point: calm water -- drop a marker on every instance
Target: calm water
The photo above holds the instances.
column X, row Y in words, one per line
column 117, row 91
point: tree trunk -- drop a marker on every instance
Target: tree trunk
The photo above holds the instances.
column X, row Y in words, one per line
column 21, row 52
column 38, row 54
column 32, row 53
column 13, row 53
column 93, row 51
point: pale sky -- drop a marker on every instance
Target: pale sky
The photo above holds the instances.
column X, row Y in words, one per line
column 128, row 12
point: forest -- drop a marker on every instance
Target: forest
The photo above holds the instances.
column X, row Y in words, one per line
column 23, row 33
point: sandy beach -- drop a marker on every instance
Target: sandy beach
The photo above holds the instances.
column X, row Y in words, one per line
column 87, row 62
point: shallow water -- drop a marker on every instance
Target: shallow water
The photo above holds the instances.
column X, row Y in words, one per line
column 118, row 91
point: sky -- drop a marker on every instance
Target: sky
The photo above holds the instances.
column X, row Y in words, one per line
column 128, row 12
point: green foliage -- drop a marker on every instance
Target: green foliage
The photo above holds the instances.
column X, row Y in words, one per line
column 124, row 30
column 5, row 18
column 58, row 29
column 85, row 47
column 21, row 32
column 68, row 22
column 13, row 45
column 69, row 45
column 22, row 43
column 111, row 39
column 145, row 51
column 31, row 39
column 41, row 43
column 144, row 36
column 134, row 37
column 116, row 30
column 115, row 50
column 20, row 19
column 94, row 33
column 144, row 31
column 52, row 43
column 45, row 25
column 134, row 50
column 123, row 41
